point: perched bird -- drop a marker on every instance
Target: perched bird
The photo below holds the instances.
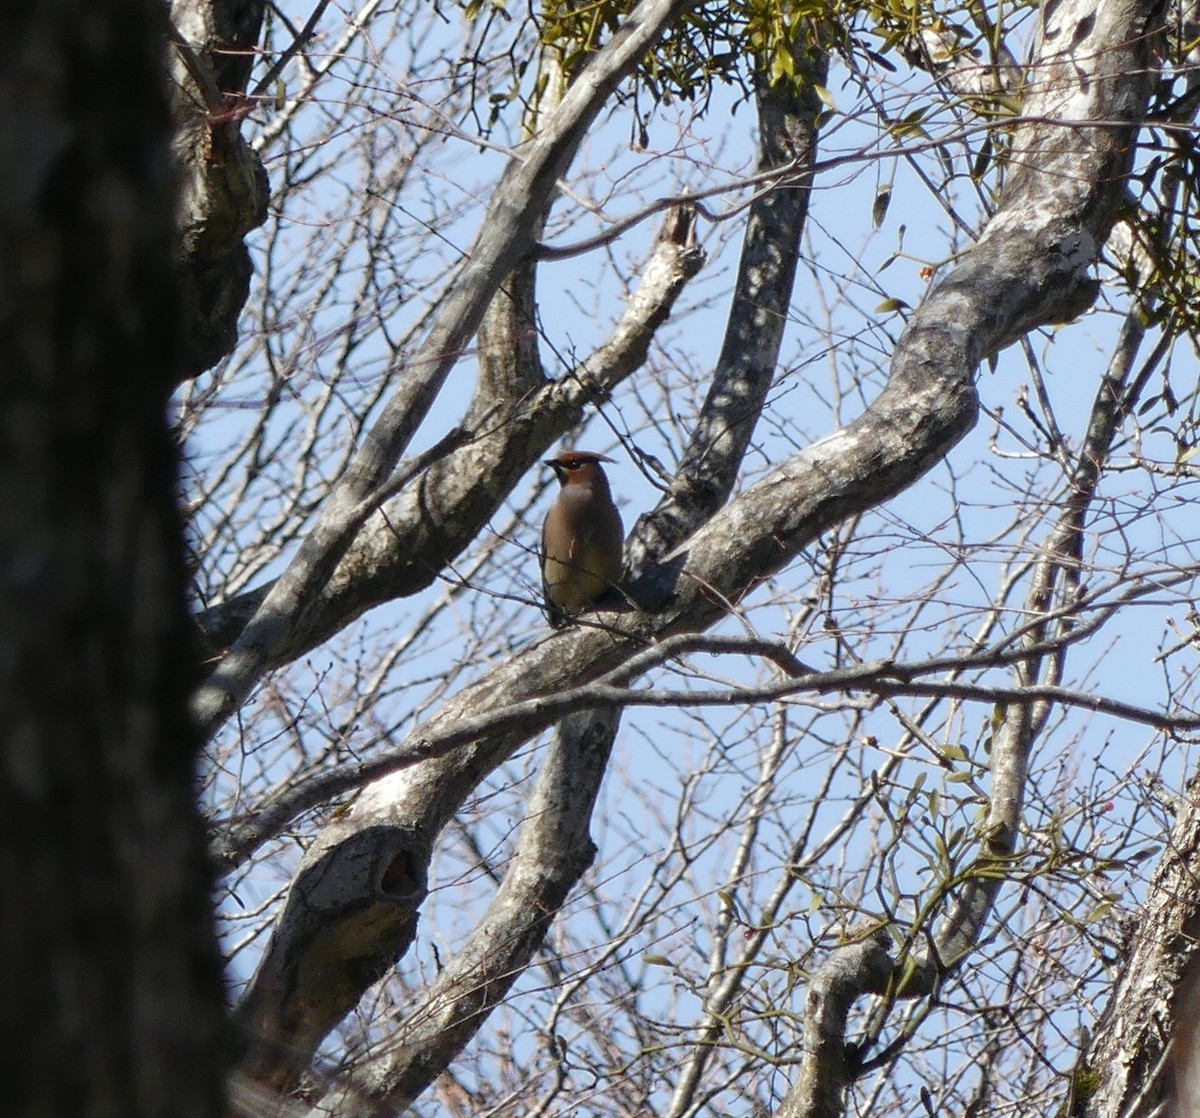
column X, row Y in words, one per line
column 582, row 537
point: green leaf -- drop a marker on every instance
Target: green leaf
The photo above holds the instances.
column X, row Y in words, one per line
column 982, row 160
column 880, row 208
column 1099, row 912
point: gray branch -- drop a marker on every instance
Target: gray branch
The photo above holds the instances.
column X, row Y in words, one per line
column 827, row 1065
column 516, row 415
column 1059, row 202
column 745, row 370
column 758, row 316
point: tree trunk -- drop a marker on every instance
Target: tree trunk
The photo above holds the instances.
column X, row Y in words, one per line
column 1144, row 1059
column 111, row 988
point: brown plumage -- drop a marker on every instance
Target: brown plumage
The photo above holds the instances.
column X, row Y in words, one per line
column 581, row 538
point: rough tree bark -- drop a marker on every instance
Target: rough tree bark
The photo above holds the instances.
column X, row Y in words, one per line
column 1144, row 1059
column 315, row 971
column 110, row 991
column 223, row 185
column 555, row 847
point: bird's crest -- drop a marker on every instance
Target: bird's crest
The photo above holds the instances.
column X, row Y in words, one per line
column 570, row 459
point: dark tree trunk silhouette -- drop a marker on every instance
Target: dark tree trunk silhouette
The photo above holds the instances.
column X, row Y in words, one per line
column 111, row 988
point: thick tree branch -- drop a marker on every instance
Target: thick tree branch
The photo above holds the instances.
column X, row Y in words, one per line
column 223, row 188
column 526, row 718
column 757, row 321
column 346, row 916
column 826, row 1069
column 554, row 850
column 758, row 316
column 1106, row 151
column 1030, row 692
column 935, row 957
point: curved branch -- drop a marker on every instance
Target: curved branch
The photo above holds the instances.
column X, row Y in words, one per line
column 826, row 1067
column 758, row 317
column 1070, row 183
column 1014, row 738
column 745, row 371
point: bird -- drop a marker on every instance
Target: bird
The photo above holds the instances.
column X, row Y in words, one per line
column 582, row 537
